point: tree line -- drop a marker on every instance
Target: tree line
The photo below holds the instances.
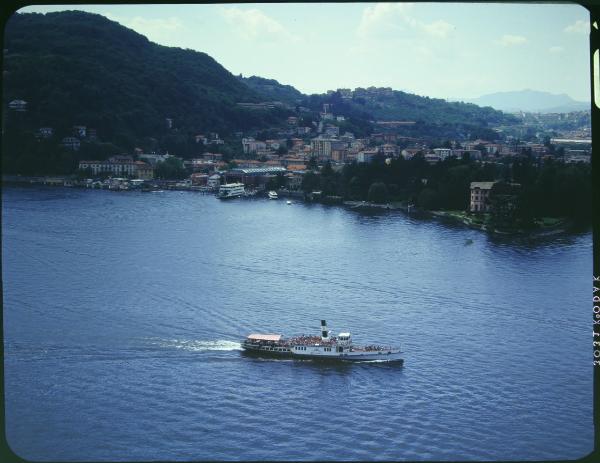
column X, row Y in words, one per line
column 548, row 189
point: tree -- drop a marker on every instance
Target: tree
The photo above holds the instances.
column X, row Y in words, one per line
column 428, row 199
column 355, row 188
column 310, row 182
column 378, row 193
column 170, row 169
column 276, row 182
column 327, row 170
column 503, row 205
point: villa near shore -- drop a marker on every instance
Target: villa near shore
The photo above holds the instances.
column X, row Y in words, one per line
column 480, row 192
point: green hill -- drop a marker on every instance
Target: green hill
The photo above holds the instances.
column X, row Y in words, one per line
column 81, row 69
column 273, row 90
column 434, row 117
column 75, row 68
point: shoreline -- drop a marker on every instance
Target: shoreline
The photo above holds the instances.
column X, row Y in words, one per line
column 562, row 226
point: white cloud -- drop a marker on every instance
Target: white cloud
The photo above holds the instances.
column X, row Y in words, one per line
column 556, row 49
column 385, row 19
column 439, row 28
column 253, row 24
column 511, row 40
column 578, row 27
column 156, row 30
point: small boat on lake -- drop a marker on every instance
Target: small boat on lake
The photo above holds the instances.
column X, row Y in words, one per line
column 323, row 347
column 273, row 195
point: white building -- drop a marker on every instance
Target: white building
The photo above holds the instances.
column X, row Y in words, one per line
column 250, row 145
column 443, row 153
column 367, row 155
column 120, row 166
column 214, row 181
column 154, row 159
column 18, row 105
column 321, row 147
column 274, row 144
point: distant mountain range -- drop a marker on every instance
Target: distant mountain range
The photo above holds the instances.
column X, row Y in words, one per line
column 530, row 101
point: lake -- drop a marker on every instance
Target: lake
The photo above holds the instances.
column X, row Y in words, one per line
column 123, row 314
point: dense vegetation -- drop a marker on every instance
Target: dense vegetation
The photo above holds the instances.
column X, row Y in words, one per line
column 433, row 117
column 546, row 190
column 83, row 69
column 272, row 90
column 74, row 68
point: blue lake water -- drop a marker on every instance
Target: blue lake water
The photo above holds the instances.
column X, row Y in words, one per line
column 123, row 314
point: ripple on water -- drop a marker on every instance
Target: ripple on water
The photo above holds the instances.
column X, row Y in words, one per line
column 128, row 348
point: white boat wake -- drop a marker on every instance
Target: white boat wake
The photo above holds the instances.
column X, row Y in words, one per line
column 200, row 345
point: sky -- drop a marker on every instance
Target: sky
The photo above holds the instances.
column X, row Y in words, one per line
column 442, row 50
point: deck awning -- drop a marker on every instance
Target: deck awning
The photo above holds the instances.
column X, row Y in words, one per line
column 264, row 337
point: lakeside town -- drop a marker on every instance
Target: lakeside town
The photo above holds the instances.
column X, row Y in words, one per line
column 294, row 161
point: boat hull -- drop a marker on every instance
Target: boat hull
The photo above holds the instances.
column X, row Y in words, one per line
column 354, row 357
column 266, row 351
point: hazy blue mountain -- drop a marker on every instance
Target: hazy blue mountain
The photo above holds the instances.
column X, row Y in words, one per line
column 530, row 101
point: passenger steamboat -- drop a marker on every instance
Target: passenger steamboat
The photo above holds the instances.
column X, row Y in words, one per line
column 323, row 347
column 231, row 190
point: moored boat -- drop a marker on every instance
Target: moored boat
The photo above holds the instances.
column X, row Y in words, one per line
column 323, row 347
column 273, row 195
column 231, row 190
